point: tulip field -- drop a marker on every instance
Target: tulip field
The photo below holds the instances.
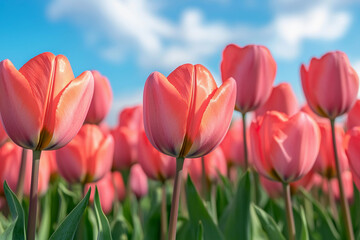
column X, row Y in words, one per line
column 182, row 165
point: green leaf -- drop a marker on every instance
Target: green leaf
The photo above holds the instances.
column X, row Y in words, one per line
column 103, row 224
column 268, row 224
column 197, row 212
column 16, row 230
column 200, row 232
column 325, row 228
column 152, row 220
column 45, row 224
column 235, row 221
column 68, row 226
column 304, row 234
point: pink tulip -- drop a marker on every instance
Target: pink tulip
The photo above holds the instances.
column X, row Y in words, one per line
column 325, row 162
column 353, row 117
column 330, row 84
column 233, row 145
column 126, row 137
column 132, row 118
column 10, row 155
column 44, row 172
column 106, row 192
column 317, row 118
column 138, row 181
column 253, row 69
column 282, row 99
column 101, row 101
column 155, row 164
column 215, row 163
column 42, row 105
column 284, row 148
column 352, row 148
column 88, row 157
column 119, row 186
column 3, row 135
column 185, row 114
column 348, row 186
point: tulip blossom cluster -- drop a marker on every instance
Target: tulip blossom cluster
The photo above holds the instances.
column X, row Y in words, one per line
column 114, row 182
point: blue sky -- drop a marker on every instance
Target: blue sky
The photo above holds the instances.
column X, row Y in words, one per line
column 126, row 40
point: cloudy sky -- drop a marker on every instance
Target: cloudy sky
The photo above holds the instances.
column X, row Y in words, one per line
column 126, row 40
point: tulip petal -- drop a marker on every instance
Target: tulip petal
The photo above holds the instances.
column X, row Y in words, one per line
column 21, row 113
column 104, row 157
column 215, row 120
column 69, row 110
column 165, row 113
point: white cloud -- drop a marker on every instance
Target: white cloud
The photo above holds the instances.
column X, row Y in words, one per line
column 117, row 28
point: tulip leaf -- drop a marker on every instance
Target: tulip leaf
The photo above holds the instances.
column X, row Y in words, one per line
column 200, row 232
column 197, row 212
column 16, row 230
column 153, row 218
column 45, row 224
column 68, row 226
column 235, row 221
column 268, row 224
column 304, row 234
column 103, row 223
column 325, row 228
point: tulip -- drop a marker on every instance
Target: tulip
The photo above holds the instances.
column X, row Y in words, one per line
column 106, row 192
column 353, row 117
column 325, row 162
column 138, row 181
column 155, row 164
column 254, row 70
column 119, row 186
column 317, row 118
column 232, row 145
column 284, row 149
column 3, row 135
column 126, row 137
column 334, row 187
column 10, row 157
column 352, row 148
column 186, row 115
column 101, row 101
column 88, row 157
column 330, row 86
column 43, row 107
column 282, row 99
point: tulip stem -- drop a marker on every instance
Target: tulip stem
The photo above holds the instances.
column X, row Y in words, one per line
column 33, row 195
column 175, row 198
column 163, row 212
column 343, row 201
column 245, row 141
column 20, row 183
column 289, row 211
column 203, row 179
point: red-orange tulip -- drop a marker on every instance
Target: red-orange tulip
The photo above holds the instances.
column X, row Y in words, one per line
column 10, row 155
column 88, row 157
column 138, row 181
column 253, row 69
column 348, row 186
column 325, row 161
column 330, row 84
column 284, row 148
column 282, row 99
column 352, row 147
column 353, row 117
column 42, row 105
column 101, row 101
column 185, row 114
column 155, row 164
column 119, row 186
column 3, row 135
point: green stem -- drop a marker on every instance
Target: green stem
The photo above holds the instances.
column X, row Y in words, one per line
column 163, row 212
column 343, row 201
column 203, row 179
column 33, row 195
column 175, row 198
column 289, row 212
column 213, row 201
column 20, row 183
column 245, row 141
